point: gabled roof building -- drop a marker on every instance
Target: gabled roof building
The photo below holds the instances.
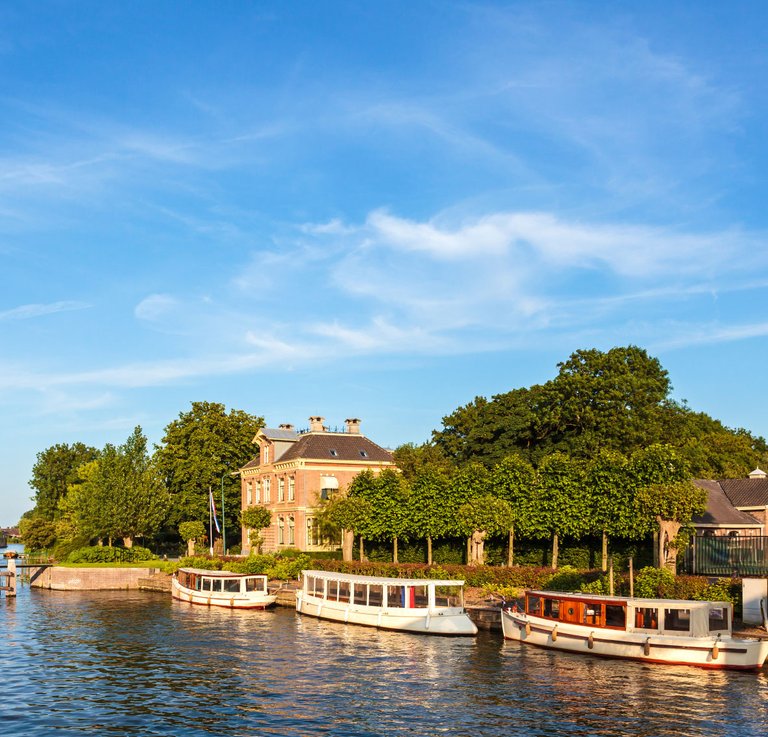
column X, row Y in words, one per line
column 293, row 470
column 735, row 506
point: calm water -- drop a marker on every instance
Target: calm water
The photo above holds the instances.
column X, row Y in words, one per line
column 141, row 664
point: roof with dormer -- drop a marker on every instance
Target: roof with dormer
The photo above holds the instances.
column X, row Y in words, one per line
column 336, row 447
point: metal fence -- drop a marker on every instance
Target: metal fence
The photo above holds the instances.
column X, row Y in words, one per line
column 727, row 556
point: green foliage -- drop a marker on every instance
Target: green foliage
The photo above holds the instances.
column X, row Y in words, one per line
column 122, row 495
column 192, row 530
column 99, row 554
column 566, row 579
column 289, row 569
column 37, row 533
column 615, row 400
column 257, row 518
column 199, row 451
column 655, row 583
column 203, row 562
column 485, row 513
column 55, row 469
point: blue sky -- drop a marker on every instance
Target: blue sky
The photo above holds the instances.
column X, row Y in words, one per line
column 370, row 209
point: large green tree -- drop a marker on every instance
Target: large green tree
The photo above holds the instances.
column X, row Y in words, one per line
column 387, row 493
column 562, row 503
column 55, row 469
column 203, row 449
column 514, row 480
column 610, row 488
column 123, row 495
column 430, row 505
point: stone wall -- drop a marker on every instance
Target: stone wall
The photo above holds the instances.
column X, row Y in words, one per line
column 59, row 578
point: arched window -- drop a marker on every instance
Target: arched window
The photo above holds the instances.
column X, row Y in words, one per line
column 280, row 531
column 291, row 531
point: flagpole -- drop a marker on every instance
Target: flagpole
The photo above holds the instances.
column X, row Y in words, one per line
column 223, row 528
column 210, row 520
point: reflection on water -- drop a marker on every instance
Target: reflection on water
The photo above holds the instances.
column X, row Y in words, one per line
column 140, row 664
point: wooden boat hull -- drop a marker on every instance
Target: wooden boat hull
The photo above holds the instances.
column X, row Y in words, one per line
column 706, row 652
column 227, row 600
column 450, row 621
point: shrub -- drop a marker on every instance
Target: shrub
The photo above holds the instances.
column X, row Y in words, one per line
column 655, row 583
column 103, row 554
column 286, row 569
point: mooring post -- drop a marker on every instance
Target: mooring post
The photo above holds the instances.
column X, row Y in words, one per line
column 11, row 556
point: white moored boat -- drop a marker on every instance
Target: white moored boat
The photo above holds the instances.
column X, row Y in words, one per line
column 411, row 605
column 221, row 588
column 651, row 630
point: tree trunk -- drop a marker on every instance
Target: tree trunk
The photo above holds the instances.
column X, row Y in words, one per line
column 362, row 549
column 511, row 549
column 394, row 549
column 191, row 546
column 668, row 530
column 605, row 552
column 469, row 550
column 555, row 551
column 347, row 542
column 429, row 550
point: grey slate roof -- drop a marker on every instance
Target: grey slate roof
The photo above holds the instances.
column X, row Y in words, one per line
column 720, row 510
column 279, row 433
column 746, row 492
column 339, row 447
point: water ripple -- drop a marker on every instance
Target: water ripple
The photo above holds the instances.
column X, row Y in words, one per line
column 140, row 664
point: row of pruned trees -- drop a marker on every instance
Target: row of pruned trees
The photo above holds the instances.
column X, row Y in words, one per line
column 609, row 495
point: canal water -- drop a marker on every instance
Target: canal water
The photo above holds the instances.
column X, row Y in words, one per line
column 134, row 663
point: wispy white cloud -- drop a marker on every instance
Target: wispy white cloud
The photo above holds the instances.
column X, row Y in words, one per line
column 155, row 307
column 30, row 311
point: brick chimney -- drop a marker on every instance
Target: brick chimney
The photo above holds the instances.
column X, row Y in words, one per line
column 286, row 426
column 316, row 424
column 353, row 426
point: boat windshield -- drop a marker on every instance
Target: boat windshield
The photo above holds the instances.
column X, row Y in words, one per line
column 231, row 585
column 255, row 584
column 718, row 618
column 677, row 620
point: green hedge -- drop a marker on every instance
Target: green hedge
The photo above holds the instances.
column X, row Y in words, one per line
column 105, row 554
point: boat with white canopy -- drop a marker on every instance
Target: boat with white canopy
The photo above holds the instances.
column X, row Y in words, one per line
column 669, row 631
column 412, row 605
column 222, row 588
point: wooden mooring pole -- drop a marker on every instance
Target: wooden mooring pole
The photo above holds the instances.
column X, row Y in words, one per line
column 10, row 573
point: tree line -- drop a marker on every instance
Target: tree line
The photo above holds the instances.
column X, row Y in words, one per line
column 608, row 495
column 122, row 492
column 571, row 457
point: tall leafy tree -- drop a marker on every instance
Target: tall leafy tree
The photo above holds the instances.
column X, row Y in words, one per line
column 345, row 515
column 430, row 505
column 665, row 497
column 200, row 450
column 124, row 496
column 563, row 505
column 55, row 469
column 610, row 487
column 387, row 494
column 514, row 480
column 482, row 516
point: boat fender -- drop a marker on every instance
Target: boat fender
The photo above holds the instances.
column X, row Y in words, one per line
column 554, row 634
column 715, row 652
column 527, row 628
column 647, row 647
column 764, row 612
column 591, row 640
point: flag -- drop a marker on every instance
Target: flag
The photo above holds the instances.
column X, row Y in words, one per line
column 213, row 510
